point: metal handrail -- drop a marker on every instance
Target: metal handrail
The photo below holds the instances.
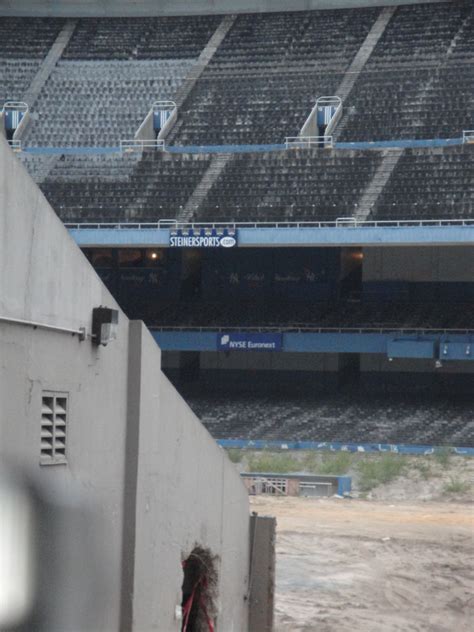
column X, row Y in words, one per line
column 468, row 136
column 329, row 99
column 15, row 144
column 309, row 141
column 345, row 221
column 16, row 105
column 316, row 330
column 165, row 104
column 313, row 330
column 341, row 222
column 140, row 143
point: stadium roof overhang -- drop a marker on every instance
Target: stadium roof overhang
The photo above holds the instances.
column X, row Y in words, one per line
column 152, row 8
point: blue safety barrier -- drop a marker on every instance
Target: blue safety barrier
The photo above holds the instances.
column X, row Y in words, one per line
column 397, row 448
column 433, row 142
column 72, row 150
column 222, row 149
column 241, row 149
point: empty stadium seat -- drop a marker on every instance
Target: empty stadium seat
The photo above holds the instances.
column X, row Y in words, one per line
column 293, row 185
column 265, row 77
column 390, row 314
column 430, row 184
column 351, row 417
column 24, row 43
column 122, row 187
column 418, row 81
column 110, row 74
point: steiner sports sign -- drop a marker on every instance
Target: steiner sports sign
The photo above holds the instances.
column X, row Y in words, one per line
column 204, row 238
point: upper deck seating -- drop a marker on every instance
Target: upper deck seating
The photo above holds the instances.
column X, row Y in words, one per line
column 111, row 73
column 418, row 81
column 141, row 38
column 263, row 80
column 24, row 43
column 122, row 187
column 430, row 184
column 294, row 185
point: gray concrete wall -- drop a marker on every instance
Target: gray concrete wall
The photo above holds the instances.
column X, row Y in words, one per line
column 119, row 8
column 44, row 277
column 262, row 565
column 180, row 466
column 434, row 264
column 127, row 429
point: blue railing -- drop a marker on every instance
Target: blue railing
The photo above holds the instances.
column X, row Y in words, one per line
column 72, row 150
column 335, row 446
column 381, row 144
column 239, row 149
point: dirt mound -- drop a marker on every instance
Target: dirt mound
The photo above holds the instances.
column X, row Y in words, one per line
column 352, row 565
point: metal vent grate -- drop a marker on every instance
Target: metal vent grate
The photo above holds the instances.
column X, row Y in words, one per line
column 54, row 408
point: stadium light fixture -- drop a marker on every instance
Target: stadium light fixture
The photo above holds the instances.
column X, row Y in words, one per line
column 104, row 325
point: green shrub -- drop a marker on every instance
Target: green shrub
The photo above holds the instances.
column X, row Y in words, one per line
column 234, row 454
column 443, row 455
column 311, row 462
column 456, row 486
column 330, row 463
column 268, row 462
column 336, row 464
column 424, row 469
column 374, row 472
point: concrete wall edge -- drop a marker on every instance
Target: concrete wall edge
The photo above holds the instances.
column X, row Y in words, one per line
column 147, row 8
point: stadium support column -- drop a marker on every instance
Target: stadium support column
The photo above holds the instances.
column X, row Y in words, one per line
column 370, row 195
column 45, row 70
column 50, row 61
column 197, row 197
column 359, row 62
column 364, row 52
column 262, row 573
column 203, row 60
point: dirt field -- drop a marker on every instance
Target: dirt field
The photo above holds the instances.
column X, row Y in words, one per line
column 372, row 566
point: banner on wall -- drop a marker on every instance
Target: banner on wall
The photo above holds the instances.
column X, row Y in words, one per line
column 204, row 238
column 249, row 342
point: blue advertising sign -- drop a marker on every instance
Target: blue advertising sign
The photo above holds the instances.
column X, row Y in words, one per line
column 204, row 238
column 249, row 342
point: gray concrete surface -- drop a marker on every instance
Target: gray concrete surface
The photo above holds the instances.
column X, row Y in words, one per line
column 44, row 277
column 135, row 451
column 119, row 8
column 181, row 467
column 262, row 569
